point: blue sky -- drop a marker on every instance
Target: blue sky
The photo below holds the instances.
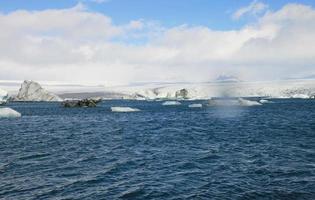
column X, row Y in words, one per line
column 210, row 13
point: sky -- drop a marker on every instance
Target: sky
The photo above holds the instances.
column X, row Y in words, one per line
column 114, row 42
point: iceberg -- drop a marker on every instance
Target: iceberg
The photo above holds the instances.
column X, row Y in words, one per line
column 300, row 96
column 171, row 103
column 32, row 91
column 4, row 96
column 195, row 105
column 9, row 113
column 124, row 109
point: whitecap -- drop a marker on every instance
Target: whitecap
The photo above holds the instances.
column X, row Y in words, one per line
column 171, row 103
column 124, row 109
column 9, row 113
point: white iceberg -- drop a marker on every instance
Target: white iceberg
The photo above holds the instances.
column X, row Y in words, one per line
column 9, row 113
column 171, row 103
column 124, row 109
column 4, row 96
column 195, row 105
column 32, row 91
column 300, row 96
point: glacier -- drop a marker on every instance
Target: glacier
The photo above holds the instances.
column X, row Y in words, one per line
column 208, row 90
column 290, row 88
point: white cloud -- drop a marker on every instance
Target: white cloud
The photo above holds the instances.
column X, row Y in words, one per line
column 83, row 46
column 254, row 8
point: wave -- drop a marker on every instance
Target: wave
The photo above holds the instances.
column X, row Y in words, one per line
column 124, row 109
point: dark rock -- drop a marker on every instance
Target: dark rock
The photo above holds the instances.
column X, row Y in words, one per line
column 183, row 93
column 81, row 103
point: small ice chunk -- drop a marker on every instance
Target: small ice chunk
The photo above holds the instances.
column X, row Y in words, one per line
column 300, row 96
column 264, row 101
column 195, row 105
column 9, row 113
column 124, row 109
column 171, row 103
column 245, row 102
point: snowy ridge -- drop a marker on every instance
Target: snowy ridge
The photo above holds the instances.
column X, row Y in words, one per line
column 271, row 89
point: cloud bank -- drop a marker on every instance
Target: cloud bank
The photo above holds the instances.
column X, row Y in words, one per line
column 78, row 45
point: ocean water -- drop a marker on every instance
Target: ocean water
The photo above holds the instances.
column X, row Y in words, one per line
column 161, row 152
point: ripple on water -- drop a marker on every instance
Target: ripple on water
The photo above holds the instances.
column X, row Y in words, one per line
column 264, row 152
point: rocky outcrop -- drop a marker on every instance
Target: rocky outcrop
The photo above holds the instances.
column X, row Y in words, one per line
column 4, row 96
column 32, row 91
column 81, row 103
column 181, row 94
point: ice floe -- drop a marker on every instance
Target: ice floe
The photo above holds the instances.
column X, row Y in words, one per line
column 171, row 103
column 9, row 113
column 195, row 105
column 124, row 109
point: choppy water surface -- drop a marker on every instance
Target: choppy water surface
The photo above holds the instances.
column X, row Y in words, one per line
column 162, row 152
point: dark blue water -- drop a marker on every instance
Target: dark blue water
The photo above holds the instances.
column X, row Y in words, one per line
column 263, row 152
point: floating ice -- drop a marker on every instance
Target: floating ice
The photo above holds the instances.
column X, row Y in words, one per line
column 245, row 102
column 233, row 102
column 264, row 101
column 124, row 109
column 171, row 103
column 300, row 96
column 195, row 105
column 9, row 113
